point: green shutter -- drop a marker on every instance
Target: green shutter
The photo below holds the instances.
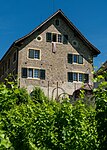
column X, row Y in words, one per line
column 70, row 77
column 48, row 37
column 86, row 78
column 42, row 74
column 65, row 39
column 80, row 59
column 31, row 53
column 24, row 72
column 70, row 58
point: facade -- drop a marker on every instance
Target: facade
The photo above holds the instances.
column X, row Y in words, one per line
column 54, row 56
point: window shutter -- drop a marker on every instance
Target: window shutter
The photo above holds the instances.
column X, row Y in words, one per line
column 70, row 77
column 31, row 53
column 86, row 78
column 80, row 59
column 48, row 37
column 42, row 74
column 65, row 39
column 24, row 72
column 70, row 58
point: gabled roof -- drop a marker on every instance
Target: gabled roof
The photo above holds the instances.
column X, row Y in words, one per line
column 70, row 24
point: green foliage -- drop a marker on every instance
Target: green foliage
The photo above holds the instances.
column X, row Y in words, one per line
column 36, row 123
column 101, row 112
column 38, row 96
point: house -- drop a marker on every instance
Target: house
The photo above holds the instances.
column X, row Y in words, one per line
column 54, row 56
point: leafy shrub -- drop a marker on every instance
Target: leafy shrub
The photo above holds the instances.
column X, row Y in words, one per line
column 38, row 96
column 39, row 124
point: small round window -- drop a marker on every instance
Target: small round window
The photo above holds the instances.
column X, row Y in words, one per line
column 57, row 22
column 75, row 43
column 39, row 38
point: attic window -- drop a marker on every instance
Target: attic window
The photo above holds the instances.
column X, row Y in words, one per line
column 39, row 38
column 57, row 22
column 75, row 43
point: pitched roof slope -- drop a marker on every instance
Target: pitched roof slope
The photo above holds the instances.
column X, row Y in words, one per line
column 70, row 24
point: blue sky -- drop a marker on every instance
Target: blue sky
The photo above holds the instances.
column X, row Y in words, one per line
column 19, row 17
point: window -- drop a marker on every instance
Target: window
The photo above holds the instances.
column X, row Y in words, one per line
column 59, row 38
column 33, row 73
column 34, row 54
column 56, row 38
column 65, row 39
column 73, row 58
column 30, row 73
column 36, row 73
column 81, row 77
column 75, row 77
column 14, row 57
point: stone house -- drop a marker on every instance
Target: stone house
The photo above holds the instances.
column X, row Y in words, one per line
column 54, row 56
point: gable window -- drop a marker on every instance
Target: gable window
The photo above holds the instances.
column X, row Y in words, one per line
column 53, row 37
column 34, row 54
column 59, row 38
column 73, row 58
column 14, row 57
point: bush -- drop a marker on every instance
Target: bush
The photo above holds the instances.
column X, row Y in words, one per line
column 39, row 124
